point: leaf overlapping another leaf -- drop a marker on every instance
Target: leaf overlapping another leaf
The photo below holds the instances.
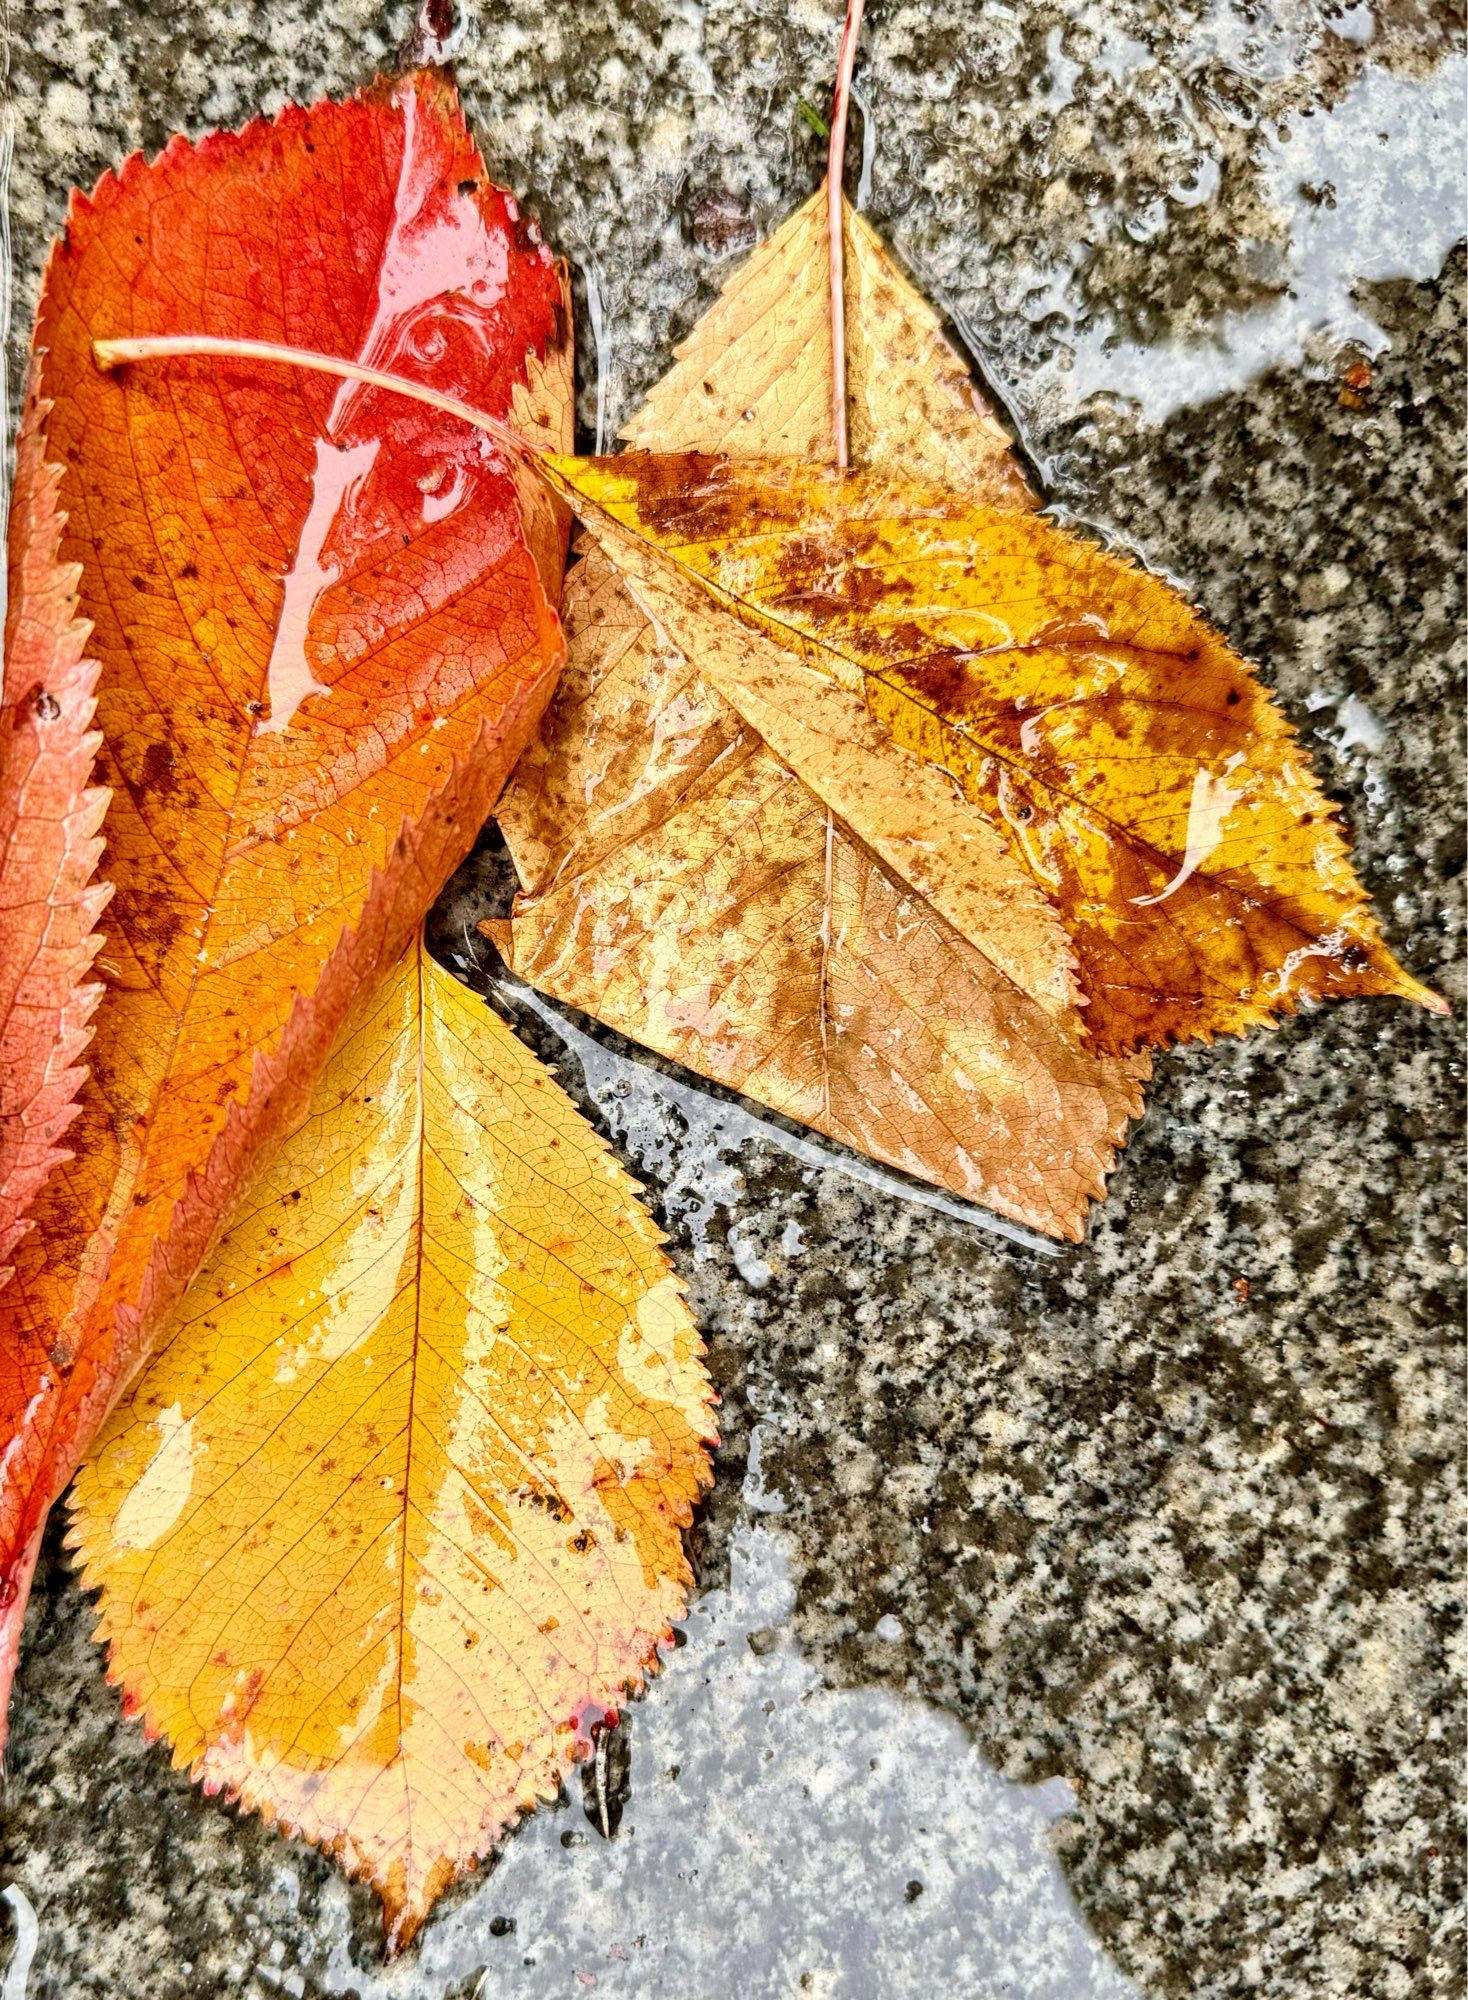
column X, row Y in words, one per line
column 1139, row 771
column 260, row 550
column 1128, row 783
column 395, row 1509
column 753, row 378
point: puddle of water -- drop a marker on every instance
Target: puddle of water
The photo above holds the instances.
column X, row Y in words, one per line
column 889, row 1858
column 1357, row 727
column 1374, row 187
column 27, row 1937
column 1388, row 185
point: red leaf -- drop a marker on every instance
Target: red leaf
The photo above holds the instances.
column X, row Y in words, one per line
column 48, row 842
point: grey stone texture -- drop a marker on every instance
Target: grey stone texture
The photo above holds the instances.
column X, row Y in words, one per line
column 1175, row 1515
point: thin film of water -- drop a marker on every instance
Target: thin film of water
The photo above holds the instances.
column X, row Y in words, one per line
column 1369, row 187
column 891, row 1857
column 839, row 1842
column 694, row 1171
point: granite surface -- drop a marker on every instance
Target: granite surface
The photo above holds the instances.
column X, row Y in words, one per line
column 1172, row 1520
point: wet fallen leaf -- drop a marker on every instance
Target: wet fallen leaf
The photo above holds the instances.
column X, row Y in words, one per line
column 323, row 641
column 1138, row 771
column 49, row 844
column 854, row 950
column 391, row 1519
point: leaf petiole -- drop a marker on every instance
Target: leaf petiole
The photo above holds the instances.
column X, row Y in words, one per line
column 835, row 163
column 112, row 354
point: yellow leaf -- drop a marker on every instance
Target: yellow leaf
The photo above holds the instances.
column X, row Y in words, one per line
column 1140, row 773
column 393, row 1515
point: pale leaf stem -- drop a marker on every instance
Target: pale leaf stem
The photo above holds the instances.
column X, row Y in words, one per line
column 165, row 347
column 835, row 165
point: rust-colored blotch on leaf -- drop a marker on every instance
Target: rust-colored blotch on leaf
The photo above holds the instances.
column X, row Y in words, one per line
column 398, row 1501
column 324, row 638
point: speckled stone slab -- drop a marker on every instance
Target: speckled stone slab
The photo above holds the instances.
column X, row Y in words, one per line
column 1077, row 1625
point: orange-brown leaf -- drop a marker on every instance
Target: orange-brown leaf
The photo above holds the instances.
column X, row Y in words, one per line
column 323, row 639
column 392, row 1517
column 49, row 845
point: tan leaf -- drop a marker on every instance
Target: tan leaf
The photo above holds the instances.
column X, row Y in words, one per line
column 392, row 1518
column 754, row 376
column 632, row 769
column 705, row 901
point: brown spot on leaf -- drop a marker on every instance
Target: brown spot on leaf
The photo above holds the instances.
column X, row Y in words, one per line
column 158, row 768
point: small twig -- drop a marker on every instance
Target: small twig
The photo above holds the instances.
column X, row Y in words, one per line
column 164, row 347
column 835, row 164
